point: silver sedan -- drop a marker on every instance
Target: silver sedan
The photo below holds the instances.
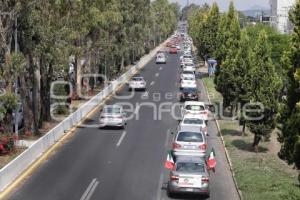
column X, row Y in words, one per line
column 190, row 175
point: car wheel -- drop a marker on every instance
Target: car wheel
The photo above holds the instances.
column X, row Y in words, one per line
column 169, row 193
column 207, row 195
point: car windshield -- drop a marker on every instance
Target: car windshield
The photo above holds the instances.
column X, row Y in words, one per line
column 112, row 110
column 189, row 137
column 193, row 121
column 190, row 167
column 195, row 107
column 137, row 79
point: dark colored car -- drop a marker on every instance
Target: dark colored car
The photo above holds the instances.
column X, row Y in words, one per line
column 189, row 94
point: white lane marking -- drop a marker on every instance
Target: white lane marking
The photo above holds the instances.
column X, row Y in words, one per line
column 167, row 139
column 161, row 179
column 145, row 95
column 121, row 138
column 160, row 68
column 90, row 190
column 157, row 75
column 152, row 83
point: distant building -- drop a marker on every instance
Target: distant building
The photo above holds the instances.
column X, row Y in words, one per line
column 280, row 15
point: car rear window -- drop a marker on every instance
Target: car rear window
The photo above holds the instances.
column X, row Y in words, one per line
column 189, row 90
column 195, row 107
column 112, row 110
column 188, row 72
column 188, row 78
column 190, row 167
column 193, row 121
column 189, row 137
column 137, row 79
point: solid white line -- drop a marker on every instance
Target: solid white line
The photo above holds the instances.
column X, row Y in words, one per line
column 161, row 179
column 152, row 83
column 90, row 190
column 167, row 139
column 121, row 138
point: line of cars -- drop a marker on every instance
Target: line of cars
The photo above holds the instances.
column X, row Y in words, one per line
column 190, row 173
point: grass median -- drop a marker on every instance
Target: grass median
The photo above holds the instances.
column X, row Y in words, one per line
column 260, row 176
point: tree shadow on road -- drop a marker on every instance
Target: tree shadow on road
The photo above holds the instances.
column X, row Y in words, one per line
column 246, row 146
column 231, row 132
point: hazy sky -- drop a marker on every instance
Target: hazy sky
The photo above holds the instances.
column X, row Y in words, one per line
column 239, row 4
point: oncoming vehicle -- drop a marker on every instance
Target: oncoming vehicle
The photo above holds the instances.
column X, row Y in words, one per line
column 193, row 123
column 195, row 108
column 161, row 58
column 190, row 175
column 189, row 143
column 112, row 116
column 137, row 83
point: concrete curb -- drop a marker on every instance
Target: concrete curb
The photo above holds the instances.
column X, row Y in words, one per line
column 226, row 152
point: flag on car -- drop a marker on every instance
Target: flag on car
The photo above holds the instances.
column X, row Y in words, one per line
column 169, row 164
column 212, row 160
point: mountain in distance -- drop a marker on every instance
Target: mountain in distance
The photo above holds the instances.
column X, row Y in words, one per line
column 257, row 10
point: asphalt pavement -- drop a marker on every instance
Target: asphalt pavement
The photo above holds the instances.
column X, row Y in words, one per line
column 104, row 164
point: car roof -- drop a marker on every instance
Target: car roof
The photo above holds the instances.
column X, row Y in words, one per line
column 112, row 106
column 194, row 103
column 137, row 77
column 190, row 159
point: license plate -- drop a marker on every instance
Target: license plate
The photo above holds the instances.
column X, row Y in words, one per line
column 189, row 147
column 189, row 189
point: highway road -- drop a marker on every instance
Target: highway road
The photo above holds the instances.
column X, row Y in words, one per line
column 125, row 164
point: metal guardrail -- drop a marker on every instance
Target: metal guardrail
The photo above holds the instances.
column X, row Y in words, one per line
column 17, row 166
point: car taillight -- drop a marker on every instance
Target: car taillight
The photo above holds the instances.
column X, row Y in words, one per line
column 176, row 146
column 202, row 146
column 205, row 179
column 204, row 129
column 205, row 112
column 174, row 178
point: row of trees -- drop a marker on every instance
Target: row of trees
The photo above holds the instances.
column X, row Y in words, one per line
column 101, row 36
column 256, row 64
column 290, row 117
column 246, row 73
